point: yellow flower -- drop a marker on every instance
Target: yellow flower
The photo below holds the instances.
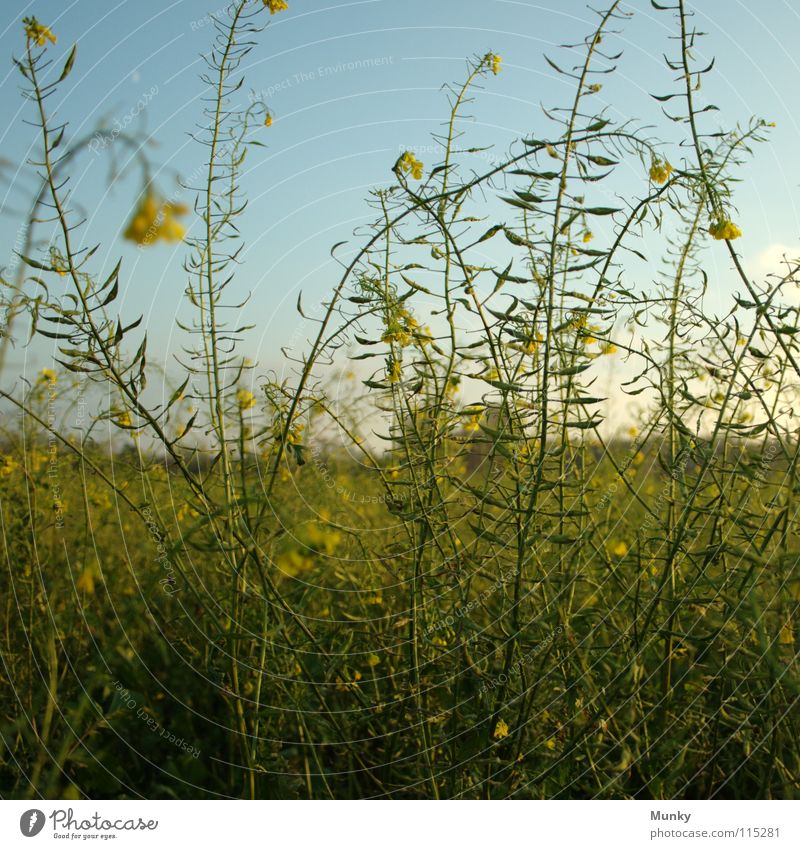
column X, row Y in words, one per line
column 395, row 371
column 85, row 582
column 373, row 660
column 294, row 563
column 473, row 424
column 47, row 375
column 245, row 399
column 495, row 61
column 409, row 163
column 38, row 33
column 7, row 465
column 608, row 348
column 123, row 419
column 660, row 171
column 588, row 236
column 620, row 549
column 344, row 686
column 595, row 87
column 551, row 744
column 276, row 6
column 268, row 120
column 501, row 729
column 532, row 344
column 154, row 219
column 722, row 228
column 295, row 435
column 401, row 337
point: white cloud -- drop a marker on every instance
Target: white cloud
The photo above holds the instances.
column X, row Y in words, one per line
column 772, row 261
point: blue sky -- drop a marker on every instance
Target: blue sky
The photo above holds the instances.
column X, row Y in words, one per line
column 351, row 85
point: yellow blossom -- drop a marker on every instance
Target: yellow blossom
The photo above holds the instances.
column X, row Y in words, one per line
column 394, row 371
column 344, row 686
column 85, row 582
column 501, row 729
column 401, row 337
column 620, row 549
column 532, row 344
column 245, row 399
column 722, row 228
column 295, row 435
column 276, row 6
column 660, row 171
column 48, row 376
column 268, row 120
column 373, row 660
column 38, row 33
column 123, row 418
column 495, row 62
column 473, row 424
column 7, row 465
column 409, row 163
column 595, row 87
column 154, row 219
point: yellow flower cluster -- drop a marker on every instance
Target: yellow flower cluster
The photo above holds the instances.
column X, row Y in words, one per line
column 322, row 537
column 722, row 228
column 660, row 171
column 154, row 219
column 295, row 434
column 394, row 371
column 276, row 6
column 501, row 730
column 473, row 424
column 38, row 33
column 85, row 582
column 7, row 465
column 46, row 377
column 530, row 347
column 245, row 399
column 268, row 120
column 409, row 163
column 494, row 62
column 400, row 329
